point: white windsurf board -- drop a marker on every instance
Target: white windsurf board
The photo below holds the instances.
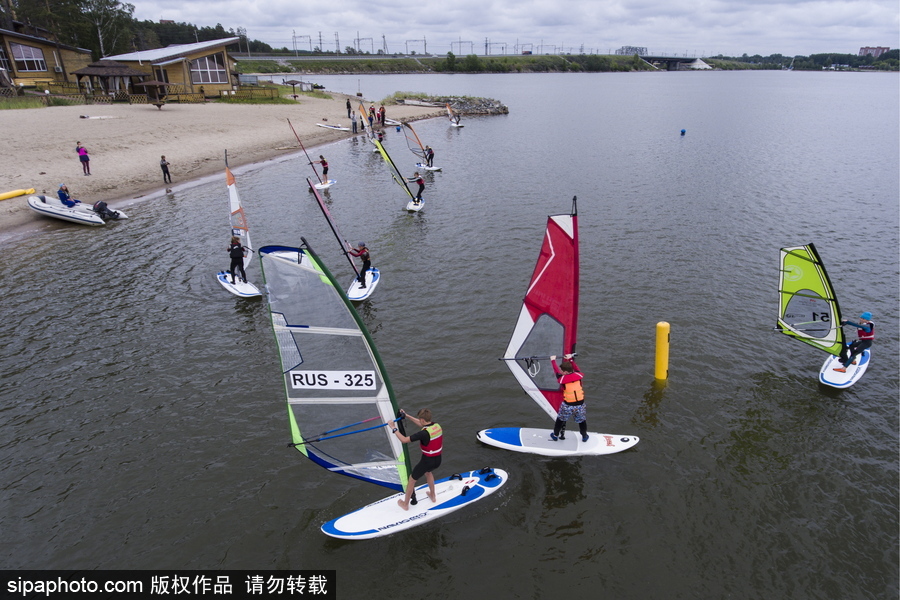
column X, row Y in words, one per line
column 537, row 441
column 338, row 127
column 829, row 376
column 239, row 288
column 386, row 516
column 357, row 293
column 413, row 206
column 425, row 167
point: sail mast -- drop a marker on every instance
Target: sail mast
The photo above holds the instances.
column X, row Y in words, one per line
column 395, row 172
column 342, row 241
column 306, row 153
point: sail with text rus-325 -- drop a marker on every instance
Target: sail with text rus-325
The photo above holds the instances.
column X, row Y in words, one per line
column 340, row 402
column 808, row 309
column 548, row 320
column 239, row 226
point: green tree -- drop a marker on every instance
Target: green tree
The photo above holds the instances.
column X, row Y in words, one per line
column 451, row 61
column 111, row 21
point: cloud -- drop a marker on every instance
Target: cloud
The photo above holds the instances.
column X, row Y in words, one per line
column 703, row 26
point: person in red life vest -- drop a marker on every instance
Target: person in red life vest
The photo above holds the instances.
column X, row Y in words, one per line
column 324, row 164
column 362, row 252
column 431, row 439
column 573, row 397
column 416, row 178
column 865, row 331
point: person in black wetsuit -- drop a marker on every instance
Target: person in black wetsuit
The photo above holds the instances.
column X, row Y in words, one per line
column 236, row 252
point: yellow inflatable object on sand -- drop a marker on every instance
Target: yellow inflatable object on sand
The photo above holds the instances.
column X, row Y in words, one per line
column 15, row 193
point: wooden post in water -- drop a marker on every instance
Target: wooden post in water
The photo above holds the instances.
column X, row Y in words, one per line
column 662, row 350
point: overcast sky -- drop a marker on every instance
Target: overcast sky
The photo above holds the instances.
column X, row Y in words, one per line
column 691, row 27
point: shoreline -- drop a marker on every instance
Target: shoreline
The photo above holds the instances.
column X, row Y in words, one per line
column 126, row 142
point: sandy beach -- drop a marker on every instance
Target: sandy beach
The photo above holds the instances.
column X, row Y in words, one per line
column 125, row 143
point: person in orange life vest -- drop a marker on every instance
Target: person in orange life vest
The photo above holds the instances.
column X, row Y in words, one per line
column 362, row 252
column 431, row 439
column 865, row 332
column 573, row 397
column 416, row 178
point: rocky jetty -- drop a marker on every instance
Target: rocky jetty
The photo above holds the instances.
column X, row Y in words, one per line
column 463, row 105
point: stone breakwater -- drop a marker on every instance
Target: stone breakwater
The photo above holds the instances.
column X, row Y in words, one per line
column 464, row 105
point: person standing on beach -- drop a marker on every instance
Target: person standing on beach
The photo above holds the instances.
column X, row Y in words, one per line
column 348, row 108
column 431, row 439
column 372, row 116
column 84, row 158
column 164, row 165
column 353, row 120
column 381, row 115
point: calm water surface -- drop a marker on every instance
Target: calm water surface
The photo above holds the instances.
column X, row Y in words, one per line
column 142, row 405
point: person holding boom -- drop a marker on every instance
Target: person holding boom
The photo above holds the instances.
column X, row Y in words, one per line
column 431, row 439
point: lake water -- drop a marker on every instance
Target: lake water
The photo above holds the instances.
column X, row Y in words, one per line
column 142, row 409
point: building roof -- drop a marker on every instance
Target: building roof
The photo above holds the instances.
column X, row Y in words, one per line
column 40, row 40
column 172, row 52
column 109, row 68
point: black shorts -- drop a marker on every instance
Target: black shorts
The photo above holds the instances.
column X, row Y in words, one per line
column 426, row 465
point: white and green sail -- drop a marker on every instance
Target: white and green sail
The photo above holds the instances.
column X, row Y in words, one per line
column 808, row 309
column 340, row 403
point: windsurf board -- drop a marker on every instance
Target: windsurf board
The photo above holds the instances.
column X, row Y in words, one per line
column 239, row 288
column 413, row 206
column 537, row 441
column 386, row 516
column 829, row 376
column 357, row 293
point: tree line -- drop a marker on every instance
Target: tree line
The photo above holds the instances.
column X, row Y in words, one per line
column 108, row 27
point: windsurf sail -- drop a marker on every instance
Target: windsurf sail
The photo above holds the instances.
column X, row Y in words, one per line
column 413, row 142
column 395, row 172
column 808, row 309
column 311, row 163
column 451, row 114
column 342, row 241
column 239, row 226
column 341, row 406
column 548, row 320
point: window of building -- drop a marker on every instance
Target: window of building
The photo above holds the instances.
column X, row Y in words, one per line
column 28, row 58
column 4, row 61
column 209, row 69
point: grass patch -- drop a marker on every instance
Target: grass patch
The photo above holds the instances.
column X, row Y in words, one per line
column 21, row 102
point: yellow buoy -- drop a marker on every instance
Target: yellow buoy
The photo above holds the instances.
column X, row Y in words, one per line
column 662, row 350
column 15, row 193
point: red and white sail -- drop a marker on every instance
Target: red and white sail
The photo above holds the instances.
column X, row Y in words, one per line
column 548, row 320
column 239, row 226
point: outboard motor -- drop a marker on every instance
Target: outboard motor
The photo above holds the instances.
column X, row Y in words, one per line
column 102, row 209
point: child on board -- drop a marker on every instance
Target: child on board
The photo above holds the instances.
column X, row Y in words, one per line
column 236, row 252
column 569, row 377
column 362, row 252
column 416, row 178
column 431, row 440
column 865, row 331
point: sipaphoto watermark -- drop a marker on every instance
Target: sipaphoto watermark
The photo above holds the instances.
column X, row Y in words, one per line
column 172, row 584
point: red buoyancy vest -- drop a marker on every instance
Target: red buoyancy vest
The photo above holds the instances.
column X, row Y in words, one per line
column 867, row 335
column 436, row 443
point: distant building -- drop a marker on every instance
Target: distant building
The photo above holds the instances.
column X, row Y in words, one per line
column 873, row 51
column 32, row 56
column 632, row 50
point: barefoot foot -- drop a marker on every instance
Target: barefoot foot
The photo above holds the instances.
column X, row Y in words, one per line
column 403, row 505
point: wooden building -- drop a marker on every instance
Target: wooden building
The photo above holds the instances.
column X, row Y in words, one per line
column 32, row 56
column 201, row 68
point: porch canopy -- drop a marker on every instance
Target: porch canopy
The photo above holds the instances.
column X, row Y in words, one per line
column 108, row 76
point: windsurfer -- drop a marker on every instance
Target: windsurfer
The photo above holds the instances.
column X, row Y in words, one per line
column 569, row 377
column 429, row 156
column 416, row 178
column 362, row 252
column 430, row 437
column 865, row 331
column 236, row 252
column 324, row 164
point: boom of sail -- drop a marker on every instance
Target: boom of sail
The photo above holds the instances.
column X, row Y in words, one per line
column 339, row 399
column 808, row 309
column 548, row 320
